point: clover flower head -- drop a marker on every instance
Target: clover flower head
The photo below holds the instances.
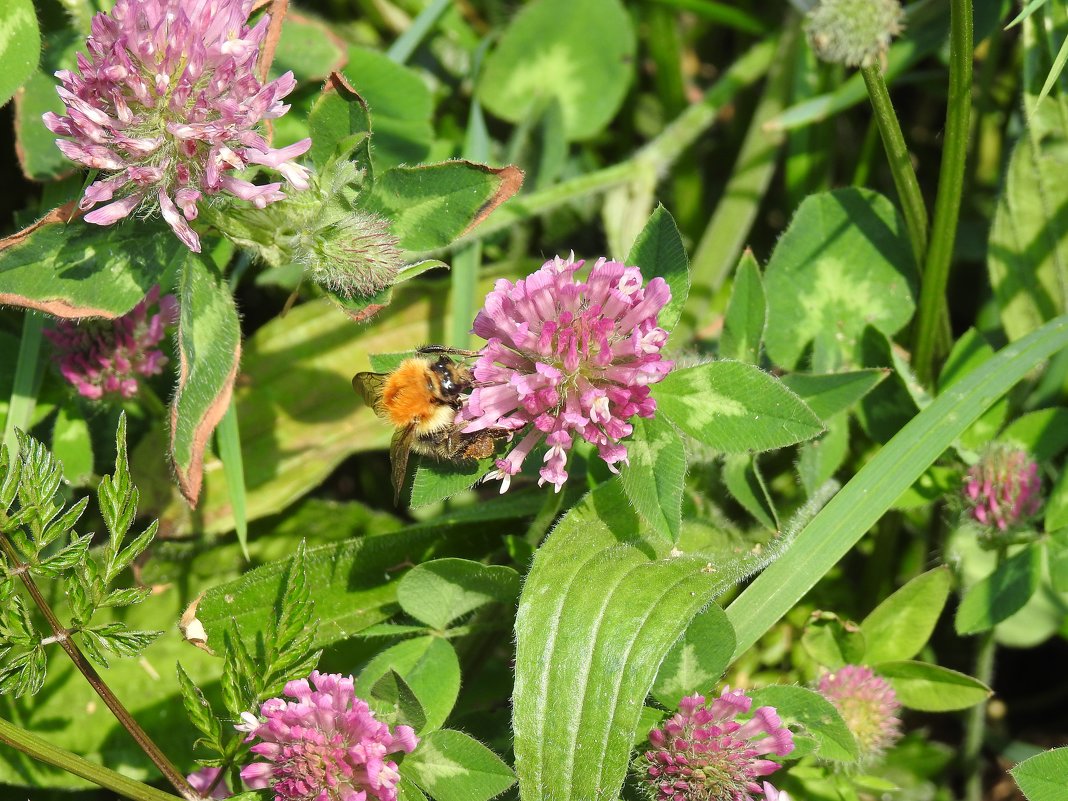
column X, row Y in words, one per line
column 205, row 778
column 324, row 745
column 704, row 753
column 856, row 33
column 166, row 102
column 568, row 358
column 1003, row 488
column 107, row 358
column 868, row 705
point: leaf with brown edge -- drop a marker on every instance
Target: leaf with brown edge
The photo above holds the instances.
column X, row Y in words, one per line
column 209, row 349
column 69, row 269
column 431, row 205
column 277, row 13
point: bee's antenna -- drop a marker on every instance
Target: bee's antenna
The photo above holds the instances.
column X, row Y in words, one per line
column 445, row 349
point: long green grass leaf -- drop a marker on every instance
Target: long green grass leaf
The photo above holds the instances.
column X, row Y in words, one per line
column 855, row 509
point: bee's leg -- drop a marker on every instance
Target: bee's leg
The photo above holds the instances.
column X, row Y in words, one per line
column 478, row 447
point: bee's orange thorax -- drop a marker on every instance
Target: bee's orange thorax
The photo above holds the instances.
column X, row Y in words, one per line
column 406, row 396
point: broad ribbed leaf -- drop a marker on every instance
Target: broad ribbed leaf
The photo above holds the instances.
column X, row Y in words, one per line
column 735, row 407
column 601, row 607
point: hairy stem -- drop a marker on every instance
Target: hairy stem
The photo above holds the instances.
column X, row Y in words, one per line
column 34, row 746
column 950, row 188
column 152, row 751
column 897, row 154
column 975, row 721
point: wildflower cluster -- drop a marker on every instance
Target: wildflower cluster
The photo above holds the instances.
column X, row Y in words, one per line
column 867, row 704
column 567, row 357
column 166, row 102
column 1003, row 488
column 856, row 33
column 108, row 357
column 325, row 745
column 704, row 753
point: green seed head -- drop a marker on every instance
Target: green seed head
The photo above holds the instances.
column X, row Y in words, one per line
column 856, row 33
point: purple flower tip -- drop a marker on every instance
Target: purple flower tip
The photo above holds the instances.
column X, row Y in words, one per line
column 107, row 358
column 1003, row 488
column 325, row 745
column 567, row 358
column 205, row 778
column 704, row 753
column 166, row 102
column 868, row 705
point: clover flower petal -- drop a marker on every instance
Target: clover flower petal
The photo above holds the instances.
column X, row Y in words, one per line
column 567, row 358
column 166, row 101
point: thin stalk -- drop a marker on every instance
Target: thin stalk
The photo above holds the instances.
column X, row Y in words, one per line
column 66, row 642
column 950, row 187
column 975, row 721
column 466, row 262
column 721, row 243
column 657, row 156
column 539, row 526
column 24, row 389
column 40, row 749
column 401, row 50
column 897, row 154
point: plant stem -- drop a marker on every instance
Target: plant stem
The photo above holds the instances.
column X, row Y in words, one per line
column 24, row 388
column 950, row 188
column 975, row 722
column 656, row 156
column 34, row 746
column 539, row 526
column 66, row 642
column 897, row 154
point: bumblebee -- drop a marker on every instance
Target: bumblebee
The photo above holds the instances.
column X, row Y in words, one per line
column 420, row 397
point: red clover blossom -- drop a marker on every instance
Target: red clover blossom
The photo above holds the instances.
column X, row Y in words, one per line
column 704, row 754
column 1003, row 488
column 868, row 705
column 324, row 746
column 568, row 357
column 108, row 357
column 166, row 103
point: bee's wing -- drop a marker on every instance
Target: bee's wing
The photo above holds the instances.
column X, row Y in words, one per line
column 399, row 448
column 369, row 386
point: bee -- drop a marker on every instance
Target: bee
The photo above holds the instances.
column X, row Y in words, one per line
column 420, row 397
